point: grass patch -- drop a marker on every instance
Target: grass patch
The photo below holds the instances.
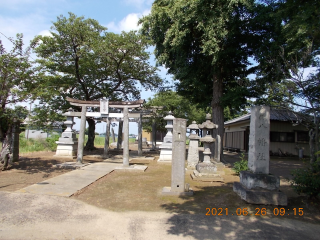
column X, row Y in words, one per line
column 36, row 145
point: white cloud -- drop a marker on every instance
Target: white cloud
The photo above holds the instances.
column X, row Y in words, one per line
column 27, row 25
column 45, row 33
column 130, row 22
column 139, row 3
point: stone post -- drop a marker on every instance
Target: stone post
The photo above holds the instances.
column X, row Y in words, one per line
column 258, row 186
column 15, row 140
column 140, row 135
column 178, row 160
column 193, row 151
column 119, row 143
column 107, row 139
column 81, row 134
column 154, row 135
column 217, row 151
column 125, row 137
column 259, row 140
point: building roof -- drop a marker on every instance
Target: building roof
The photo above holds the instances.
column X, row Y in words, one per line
column 275, row 115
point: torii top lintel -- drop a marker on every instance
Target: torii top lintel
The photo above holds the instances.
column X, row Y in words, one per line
column 130, row 104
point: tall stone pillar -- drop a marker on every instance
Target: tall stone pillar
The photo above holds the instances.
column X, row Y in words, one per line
column 140, row 135
column 154, row 135
column 257, row 186
column 217, row 151
column 193, row 151
column 178, row 160
column 81, row 135
column 119, row 143
column 125, row 137
column 107, row 139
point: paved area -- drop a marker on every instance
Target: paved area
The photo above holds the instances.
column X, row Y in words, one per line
column 69, row 183
column 34, row 216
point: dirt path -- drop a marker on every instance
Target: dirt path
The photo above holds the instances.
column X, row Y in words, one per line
column 27, row 216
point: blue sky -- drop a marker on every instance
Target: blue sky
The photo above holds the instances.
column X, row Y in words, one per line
column 35, row 17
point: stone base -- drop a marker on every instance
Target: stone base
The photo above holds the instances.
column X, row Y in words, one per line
column 132, row 168
column 70, row 165
column 206, row 167
column 207, row 177
column 66, row 149
column 255, row 180
column 260, row 196
column 166, row 191
column 165, row 155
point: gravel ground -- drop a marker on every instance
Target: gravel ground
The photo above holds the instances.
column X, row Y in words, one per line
column 28, row 216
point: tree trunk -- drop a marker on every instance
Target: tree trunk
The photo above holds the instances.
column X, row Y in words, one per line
column 217, row 109
column 6, row 149
column 107, row 139
column 312, row 144
column 91, row 134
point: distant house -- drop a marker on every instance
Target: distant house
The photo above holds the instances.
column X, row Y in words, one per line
column 30, row 132
column 286, row 135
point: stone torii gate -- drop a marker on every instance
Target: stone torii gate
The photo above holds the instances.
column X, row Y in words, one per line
column 104, row 113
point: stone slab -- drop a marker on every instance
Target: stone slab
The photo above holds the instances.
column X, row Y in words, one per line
column 260, row 196
column 253, row 180
column 132, row 168
column 65, row 156
column 142, row 158
column 212, row 178
column 67, row 184
column 206, row 167
column 166, row 191
column 70, row 165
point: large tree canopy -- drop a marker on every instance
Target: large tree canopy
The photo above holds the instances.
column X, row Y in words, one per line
column 16, row 76
column 204, row 44
column 83, row 61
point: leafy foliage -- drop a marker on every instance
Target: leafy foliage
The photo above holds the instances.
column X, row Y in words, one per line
column 16, row 76
column 83, row 61
column 179, row 106
column 241, row 165
column 204, row 44
column 307, row 180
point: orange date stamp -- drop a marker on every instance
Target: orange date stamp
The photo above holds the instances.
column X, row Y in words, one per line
column 257, row 212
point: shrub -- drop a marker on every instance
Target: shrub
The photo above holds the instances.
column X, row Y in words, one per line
column 241, row 165
column 307, row 180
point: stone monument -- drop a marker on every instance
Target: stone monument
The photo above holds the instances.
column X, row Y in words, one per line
column 178, row 186
column 166, row 146
column 257, row 185
column 207, row 170
column 217, row 150
column 67, row 145
column 193, row 151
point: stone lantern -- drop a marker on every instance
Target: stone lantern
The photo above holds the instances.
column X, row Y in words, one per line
column 193, row 151
column 67, row 145
column 207, row 139
column 166, row 146
column 207, row 170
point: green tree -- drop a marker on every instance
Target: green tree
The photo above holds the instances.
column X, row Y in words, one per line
column 204, row 44
column 290, row 46
column 83, row 61
column 16, row 75
column 166, row 101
